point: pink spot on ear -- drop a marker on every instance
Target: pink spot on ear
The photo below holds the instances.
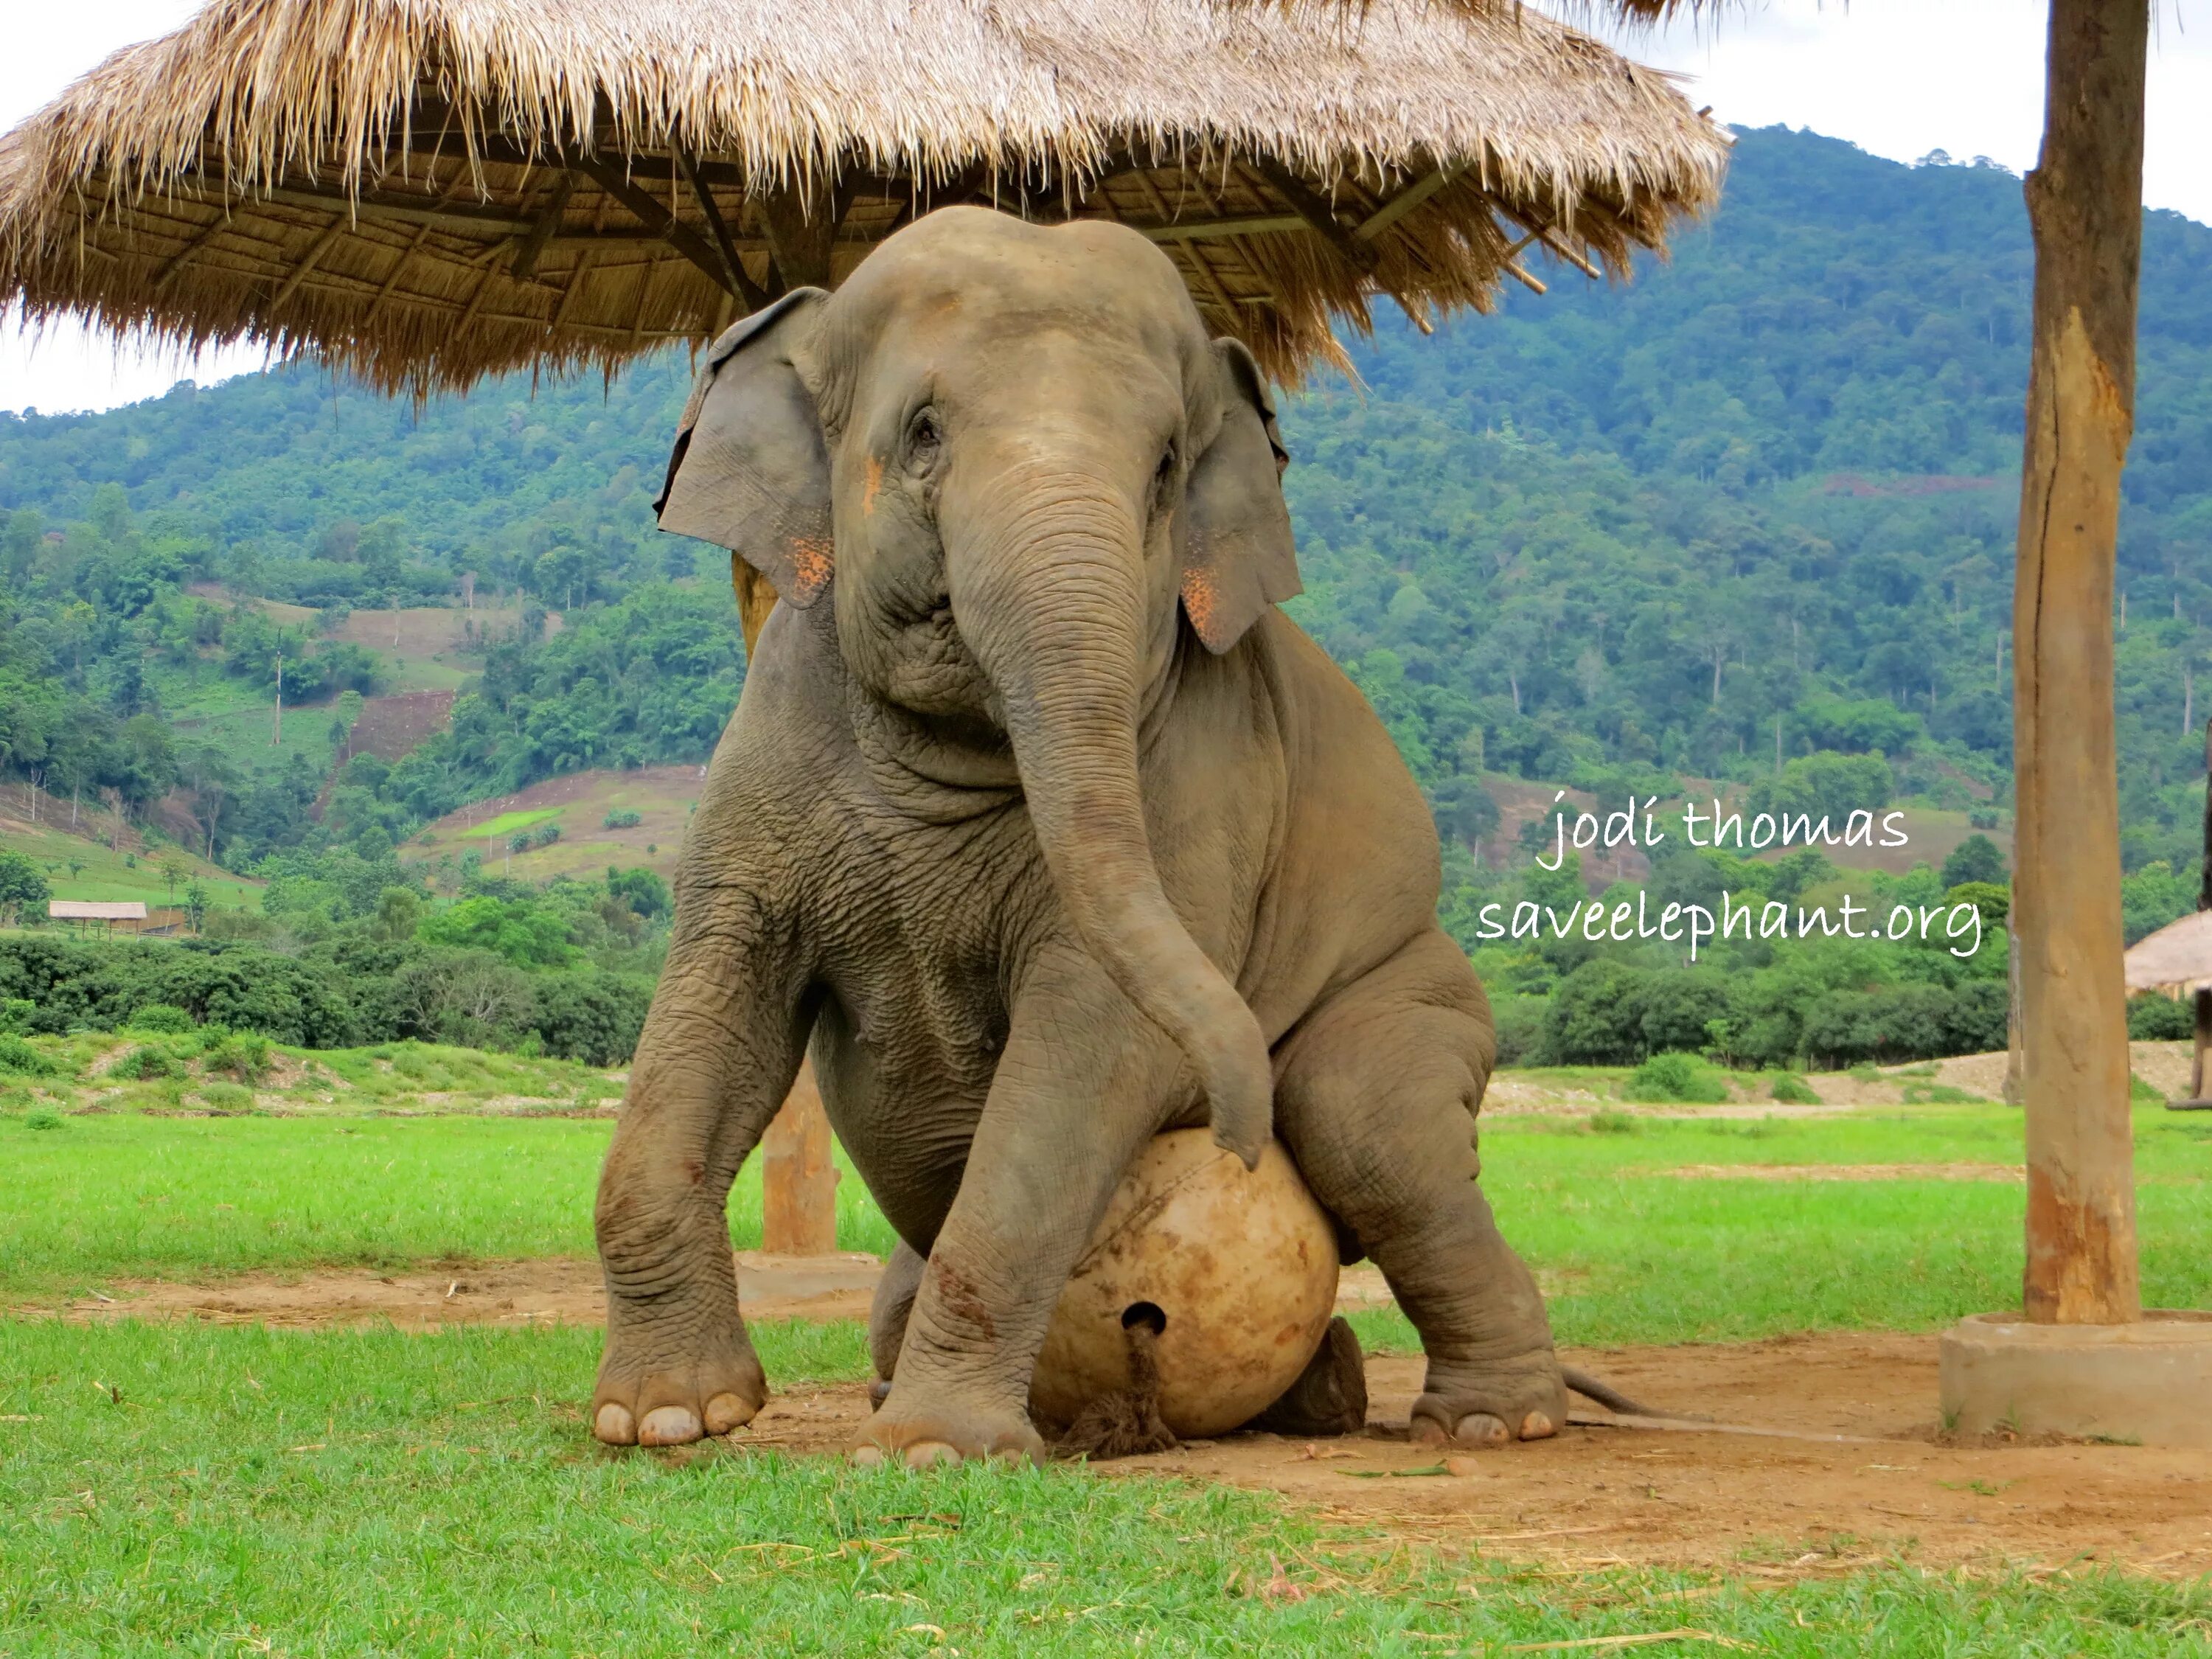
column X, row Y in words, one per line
column 810, row 563
column 1201, row 598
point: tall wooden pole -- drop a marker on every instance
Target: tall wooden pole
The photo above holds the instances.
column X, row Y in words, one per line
column 2085, row 208
column 799, row 1177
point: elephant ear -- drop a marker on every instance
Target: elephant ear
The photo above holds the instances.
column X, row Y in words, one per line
column 1238, row 558
column 749, row 470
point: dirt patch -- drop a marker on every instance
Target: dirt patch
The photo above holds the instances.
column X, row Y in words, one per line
column 1788, row 1504
column 2163, row 1066
column 1844, row 1172
column 392, row 726
column 563, row 1291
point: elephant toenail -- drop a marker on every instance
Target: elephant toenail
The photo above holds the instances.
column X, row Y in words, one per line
column 615, row 1426
column 930, row 1453
column 867, row 1457
column 725, row 1411
column 669, row 1425
column 1481, row 1429
column 1537, row 1425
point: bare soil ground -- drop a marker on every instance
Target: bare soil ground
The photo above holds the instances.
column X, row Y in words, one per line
column 562, row 1290
column 2163, row 1066
column 1824, row 1453
column 392, row 726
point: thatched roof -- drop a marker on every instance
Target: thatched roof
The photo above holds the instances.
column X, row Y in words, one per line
column 427, row 190
column 2177, row 959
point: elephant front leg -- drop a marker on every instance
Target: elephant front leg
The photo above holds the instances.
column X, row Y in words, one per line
column 719, row 1054
column 1084, row 1081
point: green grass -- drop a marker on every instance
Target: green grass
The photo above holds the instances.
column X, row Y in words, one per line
column 116, row 1197
column 507, row 823
column 217, row 1490
column 209, row 1490
column 1629, row 1255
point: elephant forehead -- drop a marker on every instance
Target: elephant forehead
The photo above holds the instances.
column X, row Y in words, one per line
column 970, row 269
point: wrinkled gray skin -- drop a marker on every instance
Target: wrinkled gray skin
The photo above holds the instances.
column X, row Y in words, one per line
column 1048, row 832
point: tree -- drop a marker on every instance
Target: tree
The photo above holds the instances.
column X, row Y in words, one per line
column 347, row 717
column 195, row 904
column 173, row 870
column 398, row 909
column 21, row 886
column 1974, row 860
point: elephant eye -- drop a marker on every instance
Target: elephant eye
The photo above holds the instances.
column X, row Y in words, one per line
column 924, row 439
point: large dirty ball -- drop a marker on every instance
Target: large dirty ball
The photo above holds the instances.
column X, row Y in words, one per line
column 1235, row 1269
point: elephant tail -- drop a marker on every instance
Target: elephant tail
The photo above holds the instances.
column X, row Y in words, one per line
column 1607, row 1395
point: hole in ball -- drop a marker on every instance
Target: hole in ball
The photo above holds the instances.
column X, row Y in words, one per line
column 1150, row 1315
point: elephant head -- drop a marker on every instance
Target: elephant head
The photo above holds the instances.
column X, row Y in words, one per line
column 1014, row 462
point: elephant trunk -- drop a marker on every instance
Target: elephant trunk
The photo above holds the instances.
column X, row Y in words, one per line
column 1051, row 598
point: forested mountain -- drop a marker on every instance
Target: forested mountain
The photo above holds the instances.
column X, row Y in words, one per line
column 1762, row 496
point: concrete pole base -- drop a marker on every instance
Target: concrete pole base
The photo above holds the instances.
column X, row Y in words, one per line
column 2148, row 1383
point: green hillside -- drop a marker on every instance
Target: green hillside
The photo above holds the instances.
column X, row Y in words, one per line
column 1757, row 503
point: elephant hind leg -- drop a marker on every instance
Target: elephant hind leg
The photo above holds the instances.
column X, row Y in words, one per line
column 889, row 1312
column 1377, row 1100
column 1330, row 1397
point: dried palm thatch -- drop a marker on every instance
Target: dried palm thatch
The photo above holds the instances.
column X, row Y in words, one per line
column 428, row 190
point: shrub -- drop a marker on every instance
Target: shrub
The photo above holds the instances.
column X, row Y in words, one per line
column 164, row 1017
column 1520, row 1024
column 243, row 1054
column 15, row 1014
column 2154, row 1018
column 226, row 1096
column 1677, row 1077
column 1792, row 1090
column 145, row 1062
column 1613, row 1123
column 593, row 1018
column 623, row 818
column 20, row 1057
column 45, row 1118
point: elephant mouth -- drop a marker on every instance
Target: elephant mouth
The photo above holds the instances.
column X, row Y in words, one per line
column 968, row 753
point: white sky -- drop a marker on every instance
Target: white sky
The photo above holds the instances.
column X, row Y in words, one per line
column 1898, row 78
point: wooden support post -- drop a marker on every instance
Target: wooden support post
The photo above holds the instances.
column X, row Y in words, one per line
column 2085, row 208
column 798, row 1177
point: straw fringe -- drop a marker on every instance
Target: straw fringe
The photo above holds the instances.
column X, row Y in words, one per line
column 182, row 187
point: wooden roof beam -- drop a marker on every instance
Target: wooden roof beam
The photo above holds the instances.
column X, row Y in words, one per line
column 539, row 233
column 641, row 202
column 1318, row 213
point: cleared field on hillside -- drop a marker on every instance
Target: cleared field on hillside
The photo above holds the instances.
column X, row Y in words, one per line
column 103, row 871
column 579, row 804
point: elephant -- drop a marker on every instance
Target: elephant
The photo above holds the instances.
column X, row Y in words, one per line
column 1042, row 831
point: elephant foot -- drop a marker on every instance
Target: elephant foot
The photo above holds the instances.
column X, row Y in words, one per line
column 923, row 1429
column 1480, row 1410
column 646, row 1397
column 1330, row 1397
